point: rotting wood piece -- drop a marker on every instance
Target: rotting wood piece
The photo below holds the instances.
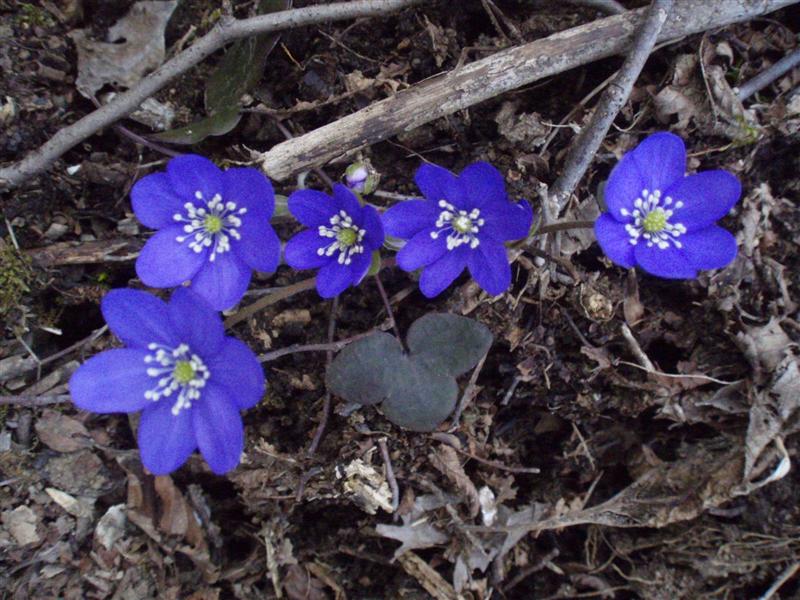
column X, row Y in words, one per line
column 489, row 77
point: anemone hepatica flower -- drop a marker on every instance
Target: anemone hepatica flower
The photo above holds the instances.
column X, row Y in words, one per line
column 341, row 238
column 213, row 228
column 662, row 220
column 462, row 222
column 189, row 380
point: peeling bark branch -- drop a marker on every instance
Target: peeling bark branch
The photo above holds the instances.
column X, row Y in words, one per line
column 495, row 75
column 225, row 32
column 584, row 148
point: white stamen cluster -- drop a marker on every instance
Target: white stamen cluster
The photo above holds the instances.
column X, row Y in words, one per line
column 651, row 222
column 168, row 362
column 463, row 227
column 212, row 226
column 347, row 238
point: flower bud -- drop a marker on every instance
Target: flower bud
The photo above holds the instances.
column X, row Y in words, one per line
column 361, row 177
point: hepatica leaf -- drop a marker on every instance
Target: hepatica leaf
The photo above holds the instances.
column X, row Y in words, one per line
column 418, row 390
column 236, row 74
column 448, row 343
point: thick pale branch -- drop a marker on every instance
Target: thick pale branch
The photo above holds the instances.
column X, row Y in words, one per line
column 497, row 74
column 224, row 33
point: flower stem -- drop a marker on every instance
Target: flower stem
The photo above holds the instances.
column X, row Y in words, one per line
column 329, row 347
column 276, row 296
column 388, row 306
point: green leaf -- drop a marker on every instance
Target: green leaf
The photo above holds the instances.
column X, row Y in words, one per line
column 448, row 343
column 218, row 124
column 243, row 64
column 236, row 74
column 363, row 371
column 417, row 390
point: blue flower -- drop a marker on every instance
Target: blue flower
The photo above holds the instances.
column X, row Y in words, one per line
column 462, row 222
column 341, row 238
column 213, row 228
column 189, row 380
column 662, row 220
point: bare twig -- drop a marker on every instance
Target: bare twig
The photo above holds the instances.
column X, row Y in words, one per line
column 767, row 76
column 564, row 226
column 272, row 298
column 633, row 344
column 787, row 574
column 614, row 98
column 228, row 30
column 387, row 462
column 469, row 391
column 326, row 402
column 494, row 75
column 34, row 401
column 612, row 7
column 329, row 347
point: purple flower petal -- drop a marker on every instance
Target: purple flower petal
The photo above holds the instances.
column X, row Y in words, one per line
column 373, row 226
column 709, row 248
column 670, row 263
column 112, row 381
column 421, row 250
column 166, row 440
column 164, row 262
column 249, row 188
column 359, row 267
column 190, row 173
column 434, row 182
column 488, row 265
column 405, row 219
column 218, row 429
column 312, row 208
column 137, row 318
column 155, row 202
column 223, row 282
column 506, row 220
column 440, row 274
column 259, row 247
column 237, row 370
column 654, row 164
column 195, row 322
column 661, row 159
column 347, row 201
column 301, row 250
column 707, row 197
column 614, row 240
column 483, row 184
column 333, row 279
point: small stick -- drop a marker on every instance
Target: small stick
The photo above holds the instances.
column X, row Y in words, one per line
column 34, row 401
column 276, row 296
column 641, row 357
column 611, row 7
column 564, row 226
column 326, row 402
column 387, row 462
column 468, row 392
column 329, row 347
column 288, row 135
column 136, row 138
column 785, row 576
column 388, row 306
column 767, row 76
column 614, row 98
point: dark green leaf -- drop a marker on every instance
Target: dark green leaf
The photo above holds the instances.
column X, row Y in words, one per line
column 363, row 372
column 420, row 399
column 218, row 124
column 448, row 343
column 243, row 64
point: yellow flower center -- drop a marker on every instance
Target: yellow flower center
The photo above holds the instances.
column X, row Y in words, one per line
column 213, row 224
column 655, row 220
column 462, row 224
column 347, row 236
column 183, row 372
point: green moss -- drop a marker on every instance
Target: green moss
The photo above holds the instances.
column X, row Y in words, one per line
column 16, row 276
column 30, row 15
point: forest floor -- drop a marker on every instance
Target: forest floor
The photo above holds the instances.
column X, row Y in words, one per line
column 642, row 428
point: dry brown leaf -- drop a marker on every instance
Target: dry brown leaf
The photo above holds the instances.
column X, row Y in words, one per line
column 446, row 460
column 299, row 584
column 413, row 534
column 61, row 433
column 135, row 45
column 764, row 346
column 21, row 524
